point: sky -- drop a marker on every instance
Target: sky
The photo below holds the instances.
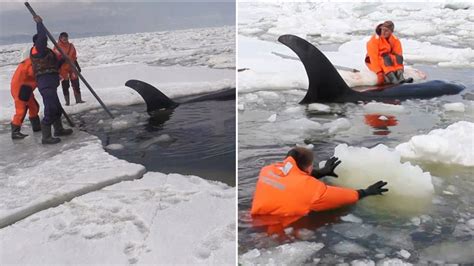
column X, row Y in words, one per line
column 85, row 19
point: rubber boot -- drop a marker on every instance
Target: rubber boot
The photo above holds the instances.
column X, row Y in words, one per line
column 392, row 78
column 35, row 123
column 47, row 137
column 399, row 75
column 78, row 97
column 77, row 91
column 65, row 86
column 16, row 134
column 59, row 130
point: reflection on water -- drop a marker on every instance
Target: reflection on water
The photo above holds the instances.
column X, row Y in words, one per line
column 380, row 123
column 382, row 230
column 195, row 138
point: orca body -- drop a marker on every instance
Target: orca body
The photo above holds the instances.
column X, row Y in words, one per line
column 326, row 85
column 157, row 101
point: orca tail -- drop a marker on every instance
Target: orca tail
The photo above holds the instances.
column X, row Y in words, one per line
column 154, row 98
column 325, row 83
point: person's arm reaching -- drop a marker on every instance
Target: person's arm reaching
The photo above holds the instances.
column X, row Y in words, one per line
column 41, row 42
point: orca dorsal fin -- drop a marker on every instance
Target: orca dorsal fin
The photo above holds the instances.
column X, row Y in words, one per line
column 154, row 98
column 325, row 83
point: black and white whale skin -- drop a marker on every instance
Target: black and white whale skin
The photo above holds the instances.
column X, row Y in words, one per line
column 157, row 101
column 326, row 85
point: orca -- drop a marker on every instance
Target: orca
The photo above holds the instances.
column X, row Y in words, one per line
column 157, row 101
column 326, row 85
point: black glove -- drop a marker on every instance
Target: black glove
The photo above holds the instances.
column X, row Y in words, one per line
column 375, row 189
column 328, row 169
column 77, row 66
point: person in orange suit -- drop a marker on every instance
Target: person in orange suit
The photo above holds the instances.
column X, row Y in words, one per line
column 22, row 85
column 385, row 55
column 66, row 71
column 292, row 187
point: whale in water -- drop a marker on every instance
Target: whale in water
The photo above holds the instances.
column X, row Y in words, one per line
column 326, row 85
column 157, row 101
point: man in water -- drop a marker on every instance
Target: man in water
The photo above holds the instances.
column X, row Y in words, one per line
column 46, row 66
column 384, row 55
column 293, row 188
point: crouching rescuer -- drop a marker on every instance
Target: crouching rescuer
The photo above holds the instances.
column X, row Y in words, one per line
column 385, row 56
column 46, row 66
column 292, row 187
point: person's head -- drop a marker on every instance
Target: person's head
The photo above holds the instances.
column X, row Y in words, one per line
column 303, row 158
column 385, row 29
column 64, row 37
column 35, row 37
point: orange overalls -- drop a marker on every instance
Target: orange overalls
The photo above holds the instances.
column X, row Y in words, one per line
column 285, row 190
column 66, row 71
column 22, row 85
column 384, row 55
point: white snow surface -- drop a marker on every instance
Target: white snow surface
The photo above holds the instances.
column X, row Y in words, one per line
column 157, row 219
column 447, row 24
column 431, row 33
column 452, row 145
column 213, row 47
column 47, row 176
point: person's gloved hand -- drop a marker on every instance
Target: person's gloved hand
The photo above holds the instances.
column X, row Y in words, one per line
column 37, row 19
column 328, row 169
column 375, row 189
column 380, row 78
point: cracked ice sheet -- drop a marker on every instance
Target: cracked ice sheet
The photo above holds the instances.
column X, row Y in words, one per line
column 47, row 176
column 157, row 219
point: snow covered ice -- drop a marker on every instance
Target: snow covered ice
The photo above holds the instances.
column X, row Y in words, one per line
column 453, row 145
column 170, row 219
column 69, row 203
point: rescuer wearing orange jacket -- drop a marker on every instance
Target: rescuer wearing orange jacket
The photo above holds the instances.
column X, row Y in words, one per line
column 22, row 86
column 385, row 55
column 66, row 71
column 292, row 188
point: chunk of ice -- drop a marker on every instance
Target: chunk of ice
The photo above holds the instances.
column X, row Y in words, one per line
column 453, row 145
column 454, row 107
column 272, row 118
column 319, row 107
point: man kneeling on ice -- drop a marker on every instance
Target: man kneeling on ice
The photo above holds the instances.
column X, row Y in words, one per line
column 384, row 55
column 292, row 188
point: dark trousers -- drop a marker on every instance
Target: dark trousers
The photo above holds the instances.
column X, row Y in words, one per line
column 47, row 86
column 52, row 106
